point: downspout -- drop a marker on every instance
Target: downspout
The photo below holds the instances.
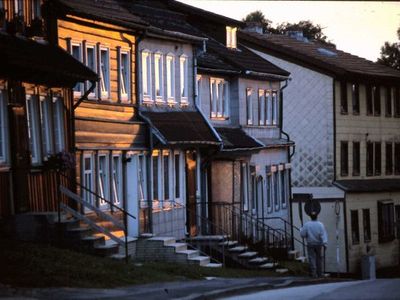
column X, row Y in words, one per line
column 290, row 155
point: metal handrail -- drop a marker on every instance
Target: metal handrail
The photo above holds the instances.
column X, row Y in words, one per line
column 124, row 212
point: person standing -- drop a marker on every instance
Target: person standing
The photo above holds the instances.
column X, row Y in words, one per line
column 317, row 239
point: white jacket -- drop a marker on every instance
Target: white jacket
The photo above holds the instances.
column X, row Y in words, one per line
column 315, row 234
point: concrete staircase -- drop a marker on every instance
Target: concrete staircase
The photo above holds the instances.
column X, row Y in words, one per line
column 167, row 249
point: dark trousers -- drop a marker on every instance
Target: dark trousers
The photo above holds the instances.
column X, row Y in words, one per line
column 315, row 260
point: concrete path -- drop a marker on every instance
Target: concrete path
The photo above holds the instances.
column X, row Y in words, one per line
column 199, row 289
column 380, row 289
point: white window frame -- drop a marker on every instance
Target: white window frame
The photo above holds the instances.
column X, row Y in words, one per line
column 104, row 72
column 275, row 187
column 116, row 180
column 19, row 7
column 78, row 88
column 275, row 105
column 219, row 98
column 145, row 61
column 269, row 108
column 249, row 106
column 142, row 181
column 184, row 78
column 85, row 173
column 167, row 182
column 3, row 128
column 159, row 76
column 103, row 178
column 33, row 128
column 94, row 68
column 198, row 89
column 46, row 126
column 246, row 185
column 170, row 78
column 58, row 124
column 269, row 192
column 124, row 75
column 178, row 155
column 231, row 39
column 156, row 195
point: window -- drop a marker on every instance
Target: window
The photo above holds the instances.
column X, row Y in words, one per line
column 142, row 181
column 219, row 98
column 261, row 108
column 104, row 73
column 385, row 221
column 183, row 67
column 370, row 159
column 76, row 52
column 388, row 98
column 268, row 97
column 343, row 97
column 33, row 128
column 46, row 124
column 344, row 158
column 36, row 11
column 177, row 179
column 244, row 175
column 249, row 106
column 378, row 159
column 91, row 63
column 377, row 100
column 19, row 7
column 355, row 97
column 389, row 159
column 259, row 195
column 397, row 158
column 396, row 102
column 366, row 225
column 283, row 187
column 146, row 75
column 87, row 178
column 275, row 108
column 268, row 184
column 3, row 128
column 356, row 158
column 275, row 176
column 166, row 175
column 155, row 177
column 158, row 76
column 170, row 77
column 103, row 179
column 124, row 76
column 58, row 123
column 355, row 230
column 198, row 90
column 117, row 179
column 369, row 100
column 231, row 40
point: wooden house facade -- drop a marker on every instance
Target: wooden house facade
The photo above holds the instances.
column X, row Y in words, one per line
column 35, row 112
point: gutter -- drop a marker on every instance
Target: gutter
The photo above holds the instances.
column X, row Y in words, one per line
column 269, row 75
column 218, row 70
column 155, row 32
column 86, row 94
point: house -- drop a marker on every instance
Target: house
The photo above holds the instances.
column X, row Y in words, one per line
column 36, row 80
column 240, row 94
column 343, row 111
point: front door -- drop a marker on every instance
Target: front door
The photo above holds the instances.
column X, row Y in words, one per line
column 132, row 195
column 191, row 193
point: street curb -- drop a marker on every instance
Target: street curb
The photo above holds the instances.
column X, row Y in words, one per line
column 257, row 287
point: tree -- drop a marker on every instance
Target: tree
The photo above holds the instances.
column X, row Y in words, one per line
column 390, row 53
column 310, row 31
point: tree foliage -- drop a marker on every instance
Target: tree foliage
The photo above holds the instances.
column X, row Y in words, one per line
column 309, row 29
column 390, row 53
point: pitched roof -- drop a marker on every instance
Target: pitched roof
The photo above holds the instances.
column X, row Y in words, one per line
column 369, row 185
column 275, row 143
column 237, row 139
column 317, row 55
column 40, row 63
column 181, row 127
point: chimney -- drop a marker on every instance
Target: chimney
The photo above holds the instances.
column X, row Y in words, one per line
column 254, row 27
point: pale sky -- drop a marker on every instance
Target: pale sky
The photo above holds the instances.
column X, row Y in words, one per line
column 360, row 28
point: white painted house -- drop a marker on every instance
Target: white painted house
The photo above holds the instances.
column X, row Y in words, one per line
column 343, row 112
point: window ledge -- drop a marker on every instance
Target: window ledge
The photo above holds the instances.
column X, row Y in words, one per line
column 219, row 118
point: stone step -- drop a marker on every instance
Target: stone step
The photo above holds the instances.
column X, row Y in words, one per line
column 238, row 249
column 213, row 265
column 269, row 265
column 293, row 254
column 258, row 260
column 166, row 240
column 93, row 241
column 248, row 254
column 228, row 244
column 79, row 232
column 178, row 246
column 189, row 253
column 281, row 270
column 117, row 233
column 201, row 260
column 106, row 250
column 206, row 238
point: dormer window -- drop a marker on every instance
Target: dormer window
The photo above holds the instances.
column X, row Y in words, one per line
column 231, row 37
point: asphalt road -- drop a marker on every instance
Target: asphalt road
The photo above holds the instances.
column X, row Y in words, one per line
column 380, row 289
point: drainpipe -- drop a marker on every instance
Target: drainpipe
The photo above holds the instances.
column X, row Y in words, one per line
column 290, row 155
